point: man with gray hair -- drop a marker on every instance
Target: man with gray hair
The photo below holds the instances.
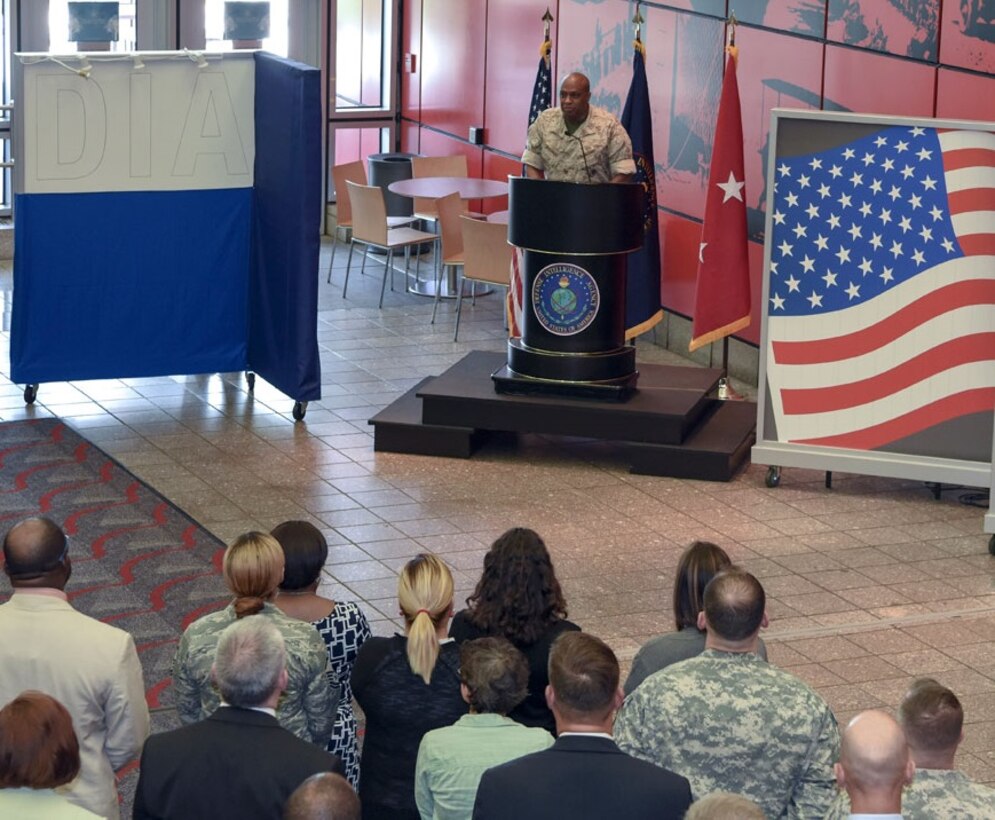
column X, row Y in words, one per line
column 239, row 762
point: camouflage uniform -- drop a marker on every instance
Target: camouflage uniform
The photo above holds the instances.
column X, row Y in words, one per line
column 306, row 708
column 934, row 794
column 729, row 721
column 595, row 152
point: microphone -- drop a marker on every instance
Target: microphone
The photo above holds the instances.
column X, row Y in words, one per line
column 583, row 153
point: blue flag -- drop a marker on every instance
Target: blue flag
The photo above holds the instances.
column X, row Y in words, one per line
column 642, row 303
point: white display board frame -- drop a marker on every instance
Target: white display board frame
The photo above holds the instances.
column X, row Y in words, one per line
column 769, row 450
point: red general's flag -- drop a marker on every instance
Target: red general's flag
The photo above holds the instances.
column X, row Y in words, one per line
column 722, row 292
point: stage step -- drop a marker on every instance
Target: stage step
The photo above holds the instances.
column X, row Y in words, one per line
column 398, row 428
column 713, row 452
column 672, row 426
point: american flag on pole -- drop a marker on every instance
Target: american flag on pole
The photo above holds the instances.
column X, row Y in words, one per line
column 542, row 98
column 881, row 297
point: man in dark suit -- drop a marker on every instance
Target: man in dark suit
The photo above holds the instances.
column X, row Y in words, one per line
column 584, row 774
column 239, row 762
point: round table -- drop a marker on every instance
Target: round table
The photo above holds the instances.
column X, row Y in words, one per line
column 436, row 188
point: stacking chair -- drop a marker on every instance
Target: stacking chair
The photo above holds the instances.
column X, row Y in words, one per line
column 341, row 175
column 486, row 257
column 450, row 254
column 369, row 227
column 455, row 166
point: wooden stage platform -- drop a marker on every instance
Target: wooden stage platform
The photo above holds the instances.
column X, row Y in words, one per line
column 672, row 426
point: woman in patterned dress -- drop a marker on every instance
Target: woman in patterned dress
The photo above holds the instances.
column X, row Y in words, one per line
column 341, row 624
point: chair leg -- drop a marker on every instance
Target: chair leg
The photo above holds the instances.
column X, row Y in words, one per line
column 348, row 264
column 473, row 293
column 459, row 305
column 335, row 243
column 387, row 271
column 440, row 270
column 366, row 252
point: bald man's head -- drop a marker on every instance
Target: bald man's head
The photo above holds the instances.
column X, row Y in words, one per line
column 324, row 796
column 874, row 757
column 35, row 553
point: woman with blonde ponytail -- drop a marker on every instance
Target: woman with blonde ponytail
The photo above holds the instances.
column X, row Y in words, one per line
column 252, row 569
column 407, row 685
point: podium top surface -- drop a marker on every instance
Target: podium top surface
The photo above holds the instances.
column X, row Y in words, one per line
column 569, row 218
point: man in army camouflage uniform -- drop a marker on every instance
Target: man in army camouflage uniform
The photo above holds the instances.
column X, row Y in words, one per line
column 875, row 765
column 932, row 718
column 728, row 721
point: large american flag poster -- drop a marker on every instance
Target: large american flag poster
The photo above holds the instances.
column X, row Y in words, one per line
column 879, row 332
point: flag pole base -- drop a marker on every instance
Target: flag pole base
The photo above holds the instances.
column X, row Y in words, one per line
column 726, row 392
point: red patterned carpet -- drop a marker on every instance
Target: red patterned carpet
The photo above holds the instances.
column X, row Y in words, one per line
column 139, row 562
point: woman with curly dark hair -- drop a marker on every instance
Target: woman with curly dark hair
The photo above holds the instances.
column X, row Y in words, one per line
column 519, row 598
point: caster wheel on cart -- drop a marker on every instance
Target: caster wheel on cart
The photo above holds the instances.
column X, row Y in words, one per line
column 250, row 379
column 30, row 393
column 773, row 476
column 300, row 408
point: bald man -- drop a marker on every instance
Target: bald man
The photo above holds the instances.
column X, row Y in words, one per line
column 578, row 142
column 932, row 718
column 90, row 667
column 874, row 766
column 326, row 796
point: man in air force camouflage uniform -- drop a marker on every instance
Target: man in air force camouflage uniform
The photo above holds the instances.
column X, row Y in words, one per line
column 728, row 721
column 932, row 718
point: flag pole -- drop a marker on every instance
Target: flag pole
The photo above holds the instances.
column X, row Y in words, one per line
column 726, row 391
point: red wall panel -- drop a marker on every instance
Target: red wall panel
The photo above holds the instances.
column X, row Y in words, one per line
column 596, row 39
column 684, row 75
column 898, row 86
column 514, row 34
column 452, row 64
column 967, row 35
column 434, row 144
column 680, row 240
column 958, row 93
column 908, row 29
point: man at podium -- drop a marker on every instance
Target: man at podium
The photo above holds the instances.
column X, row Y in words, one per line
column 578, row 142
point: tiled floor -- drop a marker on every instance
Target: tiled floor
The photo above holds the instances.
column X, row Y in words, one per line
column 869, row 583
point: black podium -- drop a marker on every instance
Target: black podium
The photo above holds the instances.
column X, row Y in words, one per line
column 574, row 238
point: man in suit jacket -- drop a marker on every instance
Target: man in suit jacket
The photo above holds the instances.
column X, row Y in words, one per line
column 88, row 666
column 584, row 774
column 239, row 762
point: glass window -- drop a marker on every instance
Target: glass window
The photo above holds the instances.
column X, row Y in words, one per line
column 68, row 33
column 362, row 54
column 216, row 26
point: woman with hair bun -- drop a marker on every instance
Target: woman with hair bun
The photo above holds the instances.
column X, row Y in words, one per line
column 407, row 685
column 519, row 598
column 39, row 752
column 252, row 569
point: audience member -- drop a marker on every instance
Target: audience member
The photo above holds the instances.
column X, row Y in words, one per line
column 519, row 598
column 341, row 624
column 728, row 721
column 406, row 685
column 724, row 806
column 323, row 797
column 874, row 766
column 253, row 569
column 700, row 562
column 89, row 667
column 38, row 752
column 932, row 718
column 583, row 774
column 494, row 676
column 239, row 762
